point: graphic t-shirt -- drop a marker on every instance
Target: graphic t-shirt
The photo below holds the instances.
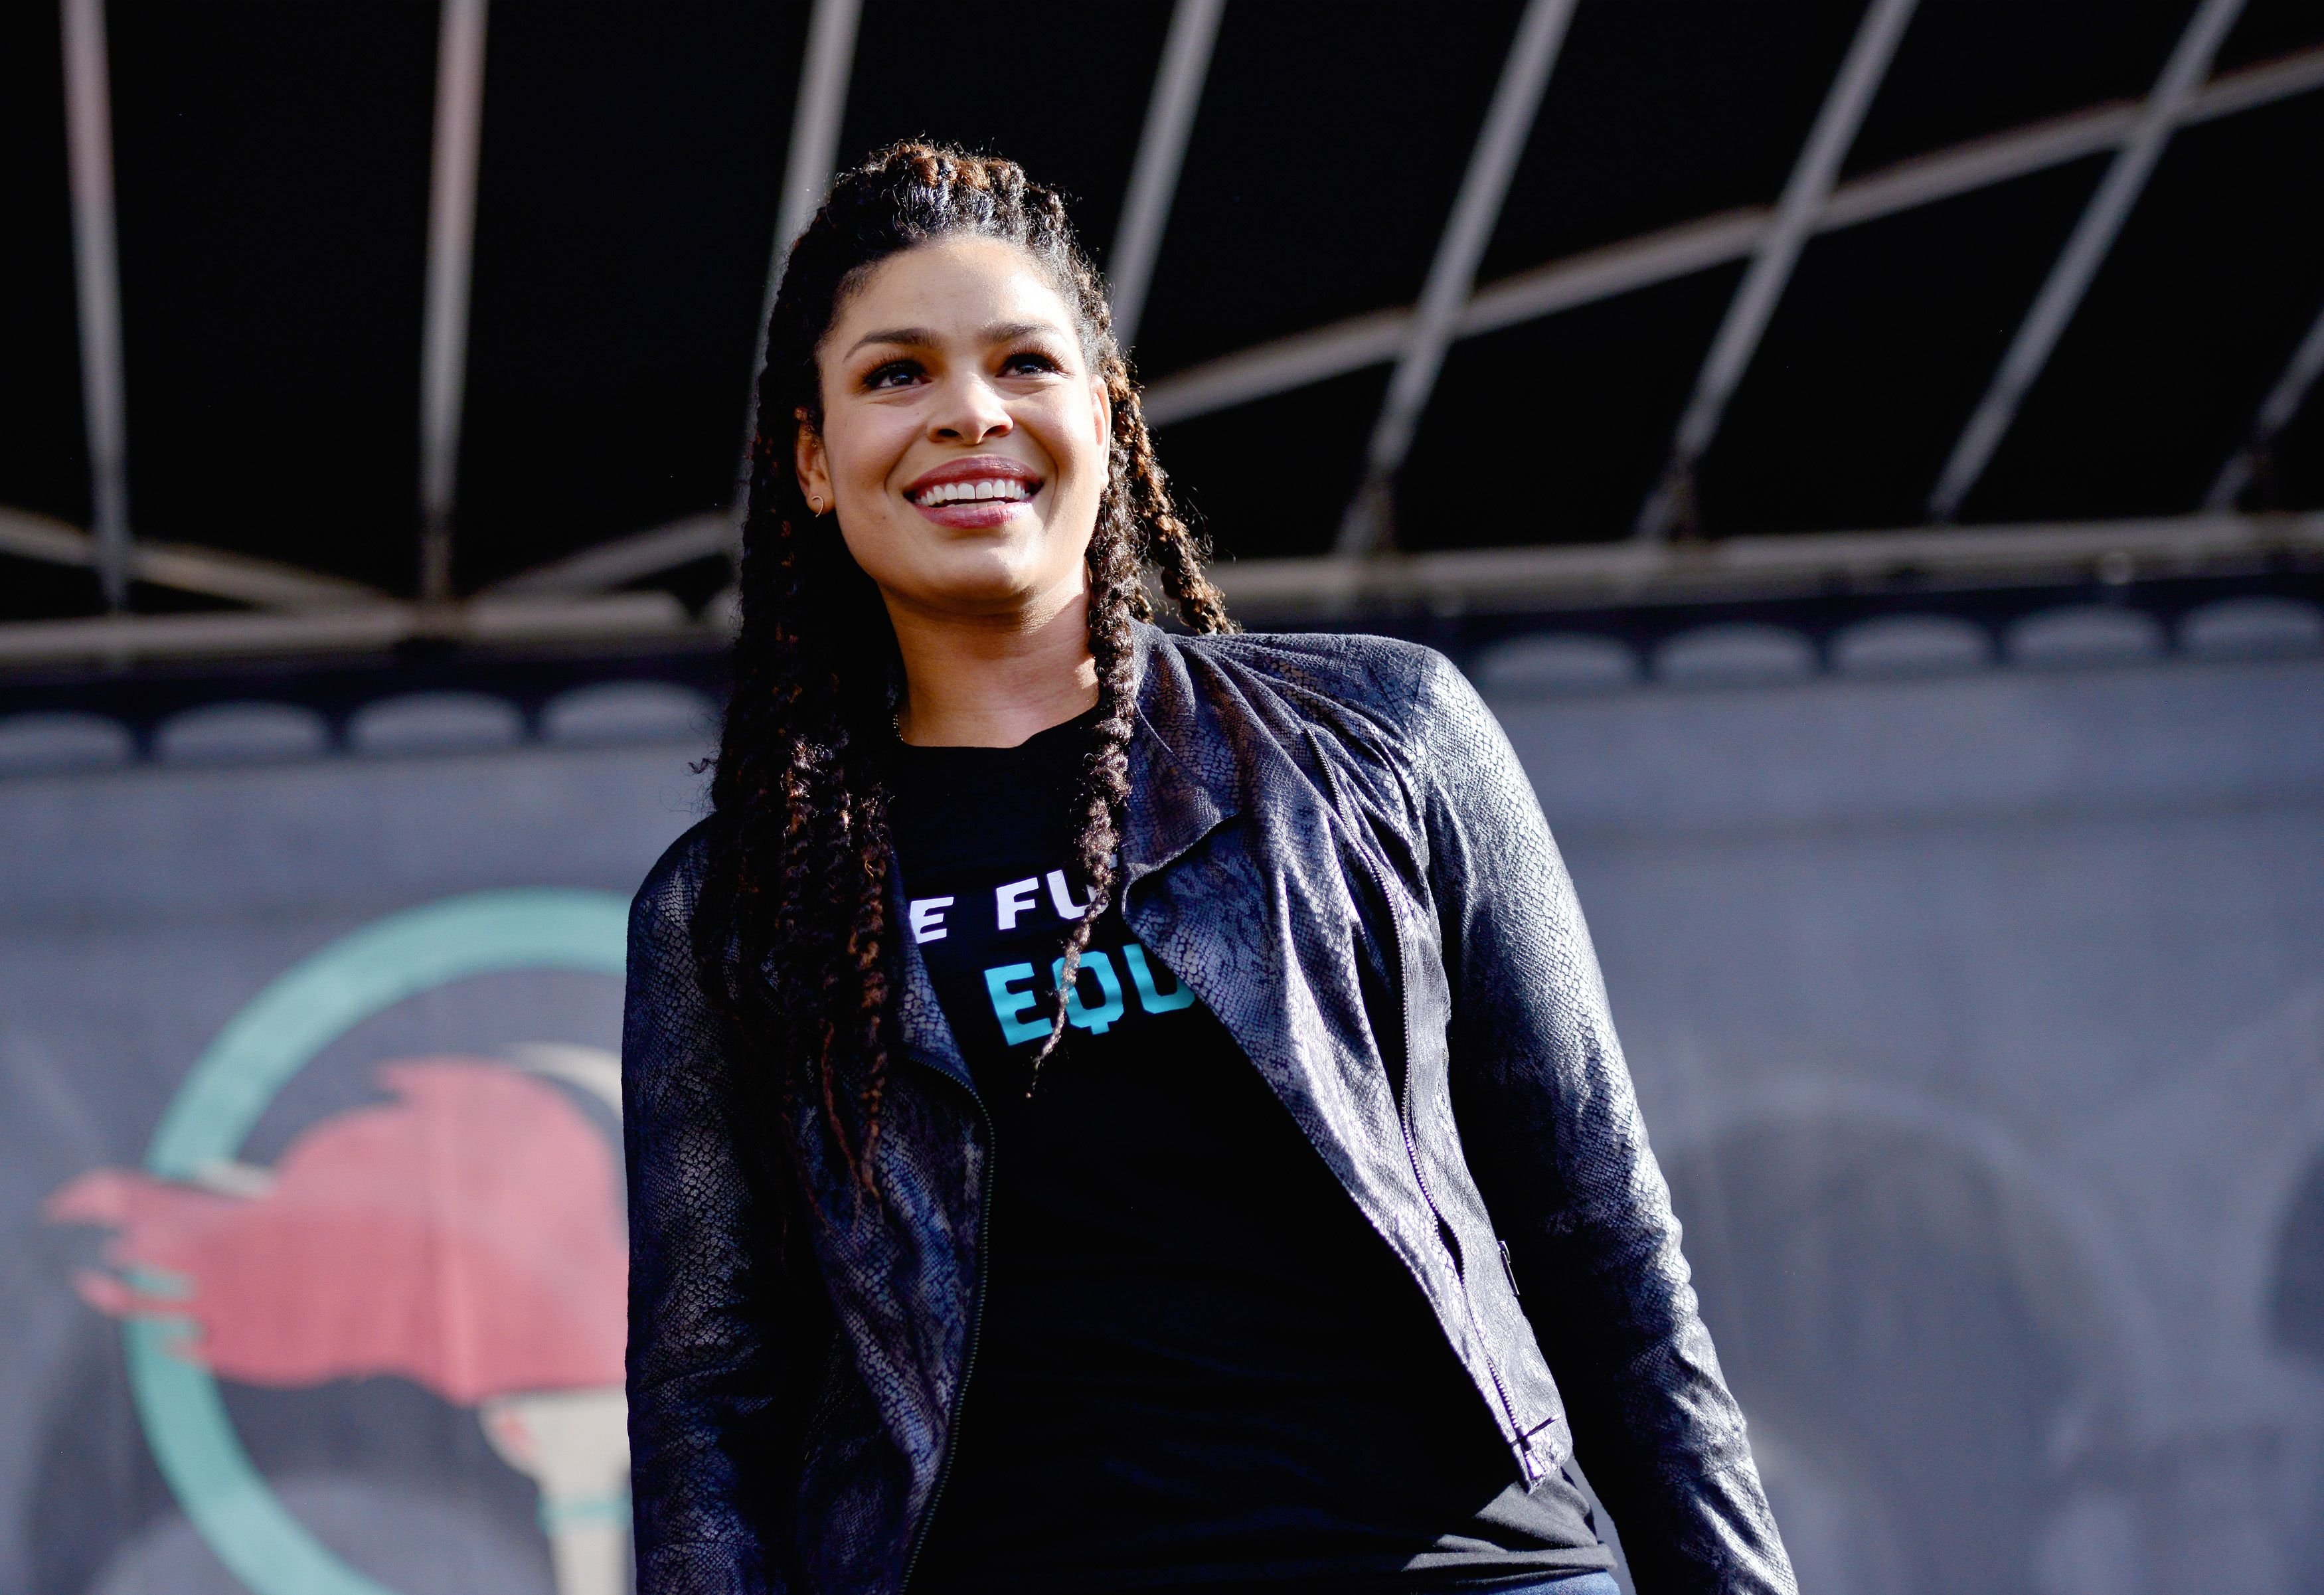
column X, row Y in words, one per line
column 1196, row 1362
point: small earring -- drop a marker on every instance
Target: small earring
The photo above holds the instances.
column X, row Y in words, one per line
column 816, row 503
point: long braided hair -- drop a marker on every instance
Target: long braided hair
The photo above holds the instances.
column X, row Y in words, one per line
column 792, row 929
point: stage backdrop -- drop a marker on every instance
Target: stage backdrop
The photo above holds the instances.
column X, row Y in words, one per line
column 1978, row 1021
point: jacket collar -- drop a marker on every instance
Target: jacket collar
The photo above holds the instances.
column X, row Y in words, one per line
column 1183, row 774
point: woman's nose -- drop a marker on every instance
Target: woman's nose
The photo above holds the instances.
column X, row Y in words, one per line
column 969, row 411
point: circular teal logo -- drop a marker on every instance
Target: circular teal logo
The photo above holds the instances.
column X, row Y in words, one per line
column 258, row 1053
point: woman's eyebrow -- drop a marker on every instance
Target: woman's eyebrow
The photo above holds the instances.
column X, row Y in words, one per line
column 896, row 334
column 920, row 337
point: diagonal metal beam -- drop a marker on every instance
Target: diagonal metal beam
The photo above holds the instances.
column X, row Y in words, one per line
column 2086, row 251
column 1806, row 194
column 825, row 65
column 181, row 567
column 2248, row 87
column 625, row 559
column 1161, row 152
column 2275, row 412
column 814, row 154
column 451, row 254
column 96, row 283
column 1278, row 366
column 1453, row 273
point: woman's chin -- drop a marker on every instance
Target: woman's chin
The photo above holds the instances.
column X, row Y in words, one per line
column 984, row 582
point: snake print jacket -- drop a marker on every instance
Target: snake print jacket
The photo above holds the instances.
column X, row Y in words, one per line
column 1329, row 841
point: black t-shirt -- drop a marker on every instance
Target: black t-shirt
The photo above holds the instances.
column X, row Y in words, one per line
column 1197, row 1364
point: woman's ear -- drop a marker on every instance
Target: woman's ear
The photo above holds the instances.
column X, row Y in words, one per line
column 1103, row 407
column 813, row 464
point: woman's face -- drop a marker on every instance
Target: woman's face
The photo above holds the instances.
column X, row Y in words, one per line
column 964, row 434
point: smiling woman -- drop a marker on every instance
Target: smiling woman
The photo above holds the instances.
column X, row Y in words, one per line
column 963, row 440
column 1041, row 1070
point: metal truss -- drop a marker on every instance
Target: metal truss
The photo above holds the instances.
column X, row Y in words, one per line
column 1375, row 337
column 318, row 611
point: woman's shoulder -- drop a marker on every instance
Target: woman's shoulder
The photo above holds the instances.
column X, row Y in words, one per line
column 1409, row 688
column 1351, row 666
column 663, row 908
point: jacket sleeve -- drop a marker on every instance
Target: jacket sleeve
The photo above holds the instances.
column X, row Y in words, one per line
column 710, row 1446
column 1552, row 1132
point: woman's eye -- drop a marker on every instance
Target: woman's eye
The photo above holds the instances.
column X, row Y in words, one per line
column 896, row 373
column 1029, row 360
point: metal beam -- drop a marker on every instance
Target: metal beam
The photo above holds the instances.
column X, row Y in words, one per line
column 1806, row 194
column 1376, row 337
column 97, row 283
column 2275, row 412
column 1161, row 152
column 2264, row 84
column 1596, row 576
column 120, row 638
column 2086, row 251
column 1278, row 366
column 825, row 68
column 184, row 568
column 1506, row 580
column 1367, row 526
column 625, row 559
column 451, row 252
column 825, row 65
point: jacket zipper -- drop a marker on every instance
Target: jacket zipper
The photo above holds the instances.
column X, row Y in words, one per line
column 1412, row 1152
column 968, row 1359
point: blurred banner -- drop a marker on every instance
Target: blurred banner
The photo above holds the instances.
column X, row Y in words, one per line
column 1978, row 1021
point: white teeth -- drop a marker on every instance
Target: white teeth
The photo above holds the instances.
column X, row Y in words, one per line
column 1008, row 489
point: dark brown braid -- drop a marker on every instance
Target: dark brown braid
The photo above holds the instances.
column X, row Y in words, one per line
column 792, row 929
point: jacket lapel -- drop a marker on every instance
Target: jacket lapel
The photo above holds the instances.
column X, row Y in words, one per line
column 1230, row 923
column 920, row 1019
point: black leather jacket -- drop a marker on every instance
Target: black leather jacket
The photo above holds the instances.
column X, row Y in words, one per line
column 1329, row 841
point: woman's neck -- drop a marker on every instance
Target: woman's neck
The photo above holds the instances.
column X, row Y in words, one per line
column 993, row 682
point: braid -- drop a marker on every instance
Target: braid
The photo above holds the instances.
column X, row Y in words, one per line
column 1105, row 787
column 1172, row 546
column 792, row 931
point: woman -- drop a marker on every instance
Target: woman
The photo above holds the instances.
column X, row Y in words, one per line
column 1208, row 1274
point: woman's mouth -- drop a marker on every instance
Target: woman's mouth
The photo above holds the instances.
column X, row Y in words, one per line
column 973, row 493
column 984, row 490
